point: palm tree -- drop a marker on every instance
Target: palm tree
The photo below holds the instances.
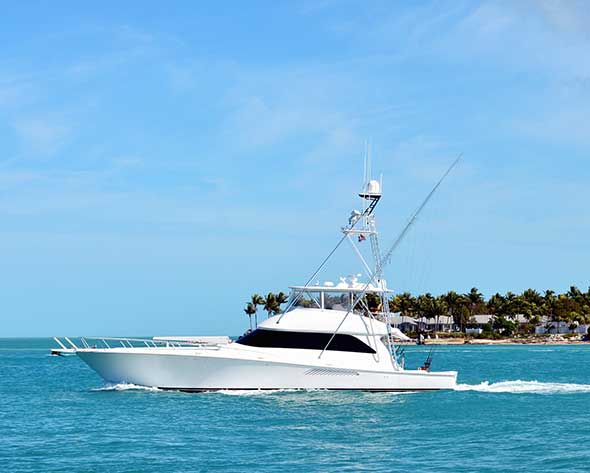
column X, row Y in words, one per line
column 532, row 296
column 474, row 298
column 512, row 304
column 575, row 294
column 250, row 310
column 496, row 303
column 531, row 305
column 426, row 305
column 406, row 304
column 456, row 303
column 551, row 307
column 270, row 303
column 281, row 298
column 256, row 301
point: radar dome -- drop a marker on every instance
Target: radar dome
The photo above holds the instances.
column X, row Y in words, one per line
column 373, row 187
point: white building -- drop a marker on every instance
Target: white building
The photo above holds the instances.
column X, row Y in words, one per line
column 549, row 327
column 405, row 324
column 442, row 323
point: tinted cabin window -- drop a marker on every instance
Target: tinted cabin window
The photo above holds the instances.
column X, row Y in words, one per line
column 304, row 340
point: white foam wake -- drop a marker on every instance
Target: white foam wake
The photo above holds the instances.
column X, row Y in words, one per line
column 126, row 387
column 525, row 387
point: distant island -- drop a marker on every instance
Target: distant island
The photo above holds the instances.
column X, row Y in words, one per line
column 530, row 314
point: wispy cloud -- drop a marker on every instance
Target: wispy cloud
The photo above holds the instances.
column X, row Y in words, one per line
column 571, row 16
column 42, row 135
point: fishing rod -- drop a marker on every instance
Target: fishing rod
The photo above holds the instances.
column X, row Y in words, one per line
column 412, row 220
column 428, row 362
column 386, row 259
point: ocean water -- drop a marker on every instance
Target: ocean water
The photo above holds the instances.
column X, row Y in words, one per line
column 517, row 408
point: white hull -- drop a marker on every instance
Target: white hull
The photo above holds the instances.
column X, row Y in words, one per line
column 209, row 370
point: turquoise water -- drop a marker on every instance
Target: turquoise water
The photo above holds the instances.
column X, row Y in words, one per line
column 57, row 415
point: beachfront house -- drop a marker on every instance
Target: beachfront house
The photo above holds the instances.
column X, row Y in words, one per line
column 405, row 324
column 478, row 323
column 547, row 326
column 443, row 323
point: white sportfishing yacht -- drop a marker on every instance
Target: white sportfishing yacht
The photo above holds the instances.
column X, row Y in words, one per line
column 330, row 336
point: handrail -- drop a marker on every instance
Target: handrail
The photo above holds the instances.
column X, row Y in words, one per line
column 128, row 342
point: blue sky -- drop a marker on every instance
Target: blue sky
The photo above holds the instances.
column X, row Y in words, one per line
column 160, row 163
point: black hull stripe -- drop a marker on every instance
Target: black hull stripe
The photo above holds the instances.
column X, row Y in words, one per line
column 373, row 390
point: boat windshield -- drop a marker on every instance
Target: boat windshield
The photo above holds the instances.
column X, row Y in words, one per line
column 336, row 300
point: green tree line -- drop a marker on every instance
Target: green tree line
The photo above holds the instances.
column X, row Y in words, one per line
column 571, row 307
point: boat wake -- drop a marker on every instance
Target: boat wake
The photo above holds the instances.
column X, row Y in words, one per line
column 525, row 387
column 126, row 387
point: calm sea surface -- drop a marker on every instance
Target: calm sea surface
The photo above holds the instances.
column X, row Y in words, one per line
column 518, row 408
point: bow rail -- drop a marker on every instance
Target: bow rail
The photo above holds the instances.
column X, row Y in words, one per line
column 67, row 346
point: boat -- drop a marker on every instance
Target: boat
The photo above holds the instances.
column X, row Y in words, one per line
column 331, row 336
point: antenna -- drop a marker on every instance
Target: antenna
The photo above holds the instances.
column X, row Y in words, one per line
column 365, row 165
column 370, row 170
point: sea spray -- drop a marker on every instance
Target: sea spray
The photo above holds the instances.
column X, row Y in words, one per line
column 525, row 387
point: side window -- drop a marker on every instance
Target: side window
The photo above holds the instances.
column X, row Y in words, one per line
column 304, row 340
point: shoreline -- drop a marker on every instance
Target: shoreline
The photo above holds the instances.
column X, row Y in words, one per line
column 489, row 341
